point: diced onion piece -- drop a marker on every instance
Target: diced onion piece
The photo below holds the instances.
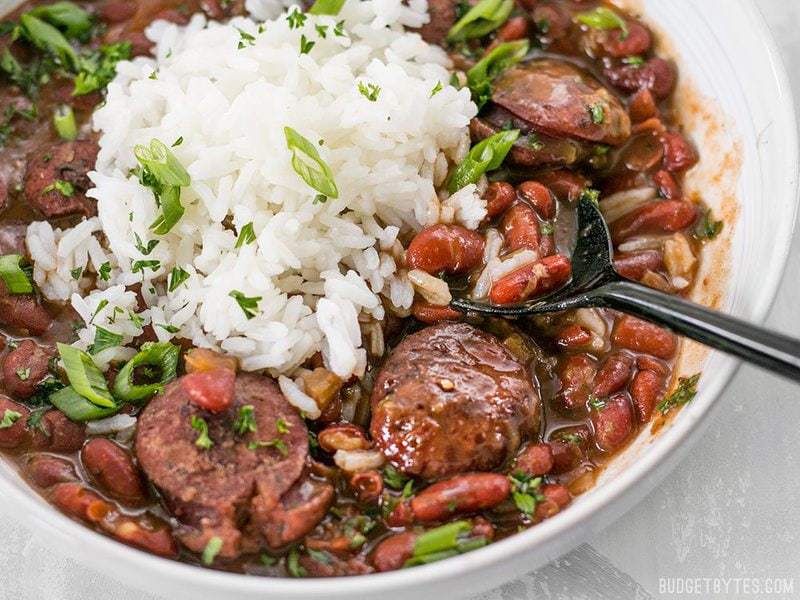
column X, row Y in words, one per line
column 354, row 461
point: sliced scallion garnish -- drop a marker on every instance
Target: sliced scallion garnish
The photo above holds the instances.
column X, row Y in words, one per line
column 86, row 379
column 162, row 164
column 64, row 122
column 319, row 177
column 480, row 20
column 484, row 156
column 78, row 408
column 486, row 70
column 443, row 542
column 16, row 280
column 604, row 19
column 326, row 7
column 164, row 356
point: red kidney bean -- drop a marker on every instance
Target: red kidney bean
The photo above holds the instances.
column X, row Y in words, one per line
column 636, row 264
column 210, row 390
column 663, row 216
column 679, row 154
column 173, row 15
column 556, row 18
column 24, row 368
column 641, row 336
column 520, row 228
column 499, row 196
column 656, row 75
column 428, row 313
column 46, row 471
column 556, row 497
column 566, row 456
column 342, row 436
column 112, row 467
column 146, row 532
column 566, row 185
column 642, row 106
column 648, row 363
column 482, row 527
column 532, row 280
column 547, row 245
column 460, row 494
column 140, row 44
column 16, row 434
column 536, row 459
column 117, row 12
column 666, row 184
column 646, row 390
column 539, row 197
column 576, row 375
column 613, row 375
column 57, row 433
column 401, row 515
column 578, row 435
column 613, row 423
column 643, row 153
column 392, row 553
column 516, row 28
column 23, row 312
column 368, row 485
column 573, row 336
column 636, row 39
column 449, row 248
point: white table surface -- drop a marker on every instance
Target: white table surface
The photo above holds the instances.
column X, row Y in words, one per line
column 728, row 513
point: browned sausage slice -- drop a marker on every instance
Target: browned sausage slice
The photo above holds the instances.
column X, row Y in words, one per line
column 215, row 492
column 67, row 162
column 452, row 398
column 558, row 99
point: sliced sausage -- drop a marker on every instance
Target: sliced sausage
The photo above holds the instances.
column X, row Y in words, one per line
column 558, row 99
column 24, row 368
column 67, row 162
column 298, row 512
column 242, row 476
column 452, row 398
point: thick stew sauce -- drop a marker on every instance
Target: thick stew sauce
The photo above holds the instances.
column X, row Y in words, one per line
column 465, row 430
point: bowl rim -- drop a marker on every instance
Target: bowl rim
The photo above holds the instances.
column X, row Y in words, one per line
column 693, row 416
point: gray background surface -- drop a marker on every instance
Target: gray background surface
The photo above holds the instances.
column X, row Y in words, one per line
column 728, row 511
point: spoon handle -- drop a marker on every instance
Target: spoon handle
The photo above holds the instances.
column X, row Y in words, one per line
column 768, row 349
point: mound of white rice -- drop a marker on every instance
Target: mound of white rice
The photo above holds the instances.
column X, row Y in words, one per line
column 320, row 269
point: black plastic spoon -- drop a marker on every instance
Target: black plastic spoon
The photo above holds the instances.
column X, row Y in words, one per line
column 595, row 283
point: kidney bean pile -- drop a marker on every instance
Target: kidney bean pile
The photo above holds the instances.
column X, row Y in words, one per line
column 466, row 430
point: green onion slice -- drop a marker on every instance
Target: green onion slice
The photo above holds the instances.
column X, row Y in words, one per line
column 78, row 408
column 303, row 154
column 162, row 164
column 171, row 210
column 444, row 542
column 481, row 19
column 64, row 121
column 71, row 18
column 46, row 37
column 326, row 7
column 16, row 280
column 604, row 19
column 164, row 356
column 486, row 70
column 484, row 156
column 86, row 379
column 103, row 340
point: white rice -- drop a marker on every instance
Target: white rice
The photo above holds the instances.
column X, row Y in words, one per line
column 316, row 267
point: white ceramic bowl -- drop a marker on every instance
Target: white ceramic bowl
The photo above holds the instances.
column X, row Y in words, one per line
column 737, row 105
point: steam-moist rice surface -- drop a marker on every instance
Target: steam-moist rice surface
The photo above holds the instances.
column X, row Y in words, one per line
column 320, row 269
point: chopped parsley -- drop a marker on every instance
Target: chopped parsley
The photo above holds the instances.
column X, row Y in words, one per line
column 246, row 236
column 322, row 31
column 104, row 272
column 296, row 19
column 633, row 61
column 249, row 305
column 245, row 39
column 168, row 328
column 592, row 195
column 100, row 67
column 683, row 394
column 76, row 273
column 177, row 142
column 9, row 418
column 394, row 478
column 306, row 45
column 276, row 443
column 282, row 426
column 141, row 265
column 436, row 89
column 145, row 250
column 370, row 91
column 525, row 491
column 596, row 403
column 176, row 278
column 546, row 228
column 65, row 188
column 707, row 228
column 23, row 374
column 203, row 441
column 598, row 113
column 245, row 421
column 211, row 550
column 338, row 29
column 293, row 565
column 104, row 339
